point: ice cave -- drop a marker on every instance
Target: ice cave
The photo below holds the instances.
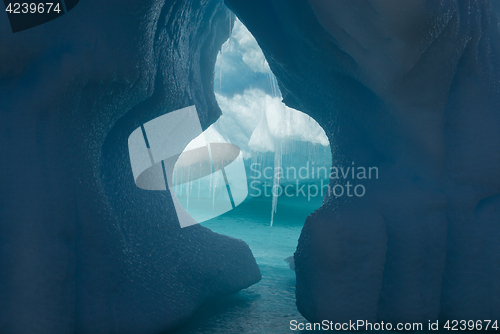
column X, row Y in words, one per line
column 282, row 149
column 236, row 166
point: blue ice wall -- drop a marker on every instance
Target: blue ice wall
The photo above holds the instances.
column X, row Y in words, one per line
column 82, row 249
column 411, row 88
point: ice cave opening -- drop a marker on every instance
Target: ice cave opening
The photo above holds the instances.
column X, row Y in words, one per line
column 287, row 159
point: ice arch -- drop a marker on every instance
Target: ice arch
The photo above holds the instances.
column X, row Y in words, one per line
column 254, row 117
column 412, row 89
column 83, row 248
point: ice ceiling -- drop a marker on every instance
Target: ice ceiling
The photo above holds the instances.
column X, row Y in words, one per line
column 254, row 118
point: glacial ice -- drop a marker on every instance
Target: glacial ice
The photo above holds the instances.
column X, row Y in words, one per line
column 254, row 116
column 83, row 248
column 412, row 89
column 255, row 120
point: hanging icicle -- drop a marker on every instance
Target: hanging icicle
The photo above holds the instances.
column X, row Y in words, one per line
column 276, row 177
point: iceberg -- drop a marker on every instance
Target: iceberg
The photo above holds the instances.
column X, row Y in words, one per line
column 412, row 89
column 269, row 133
column 84, row 249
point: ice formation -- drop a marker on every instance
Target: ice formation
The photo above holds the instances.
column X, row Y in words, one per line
column 254, row 116
column 411, row 88
column 84, row 250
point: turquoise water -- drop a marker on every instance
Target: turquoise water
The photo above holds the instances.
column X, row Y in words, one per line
column 268, row 306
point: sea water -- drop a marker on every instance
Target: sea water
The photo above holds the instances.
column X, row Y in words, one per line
column 268, row 306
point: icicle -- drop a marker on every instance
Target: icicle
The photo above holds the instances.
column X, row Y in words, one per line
column 222, row 50
column 211, row 185
column 220, row 68
column 188, row 188
column 181, row 172
column 199, row 188
column 216, row 184
column 273, row 84
column 230, row 32
column 276, row 177
column 273, row 92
